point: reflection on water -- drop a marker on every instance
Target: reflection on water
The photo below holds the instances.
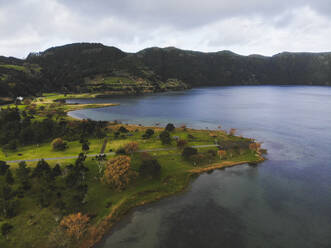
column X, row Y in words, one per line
column 284, row 202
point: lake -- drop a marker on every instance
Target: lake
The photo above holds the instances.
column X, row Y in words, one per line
column 283, row 202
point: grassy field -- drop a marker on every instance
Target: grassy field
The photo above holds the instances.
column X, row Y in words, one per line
column 34, row 224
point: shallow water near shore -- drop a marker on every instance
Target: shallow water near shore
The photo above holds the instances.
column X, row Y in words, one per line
column 283, row 202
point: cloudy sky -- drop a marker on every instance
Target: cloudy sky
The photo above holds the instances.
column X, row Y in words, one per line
column 244, row 26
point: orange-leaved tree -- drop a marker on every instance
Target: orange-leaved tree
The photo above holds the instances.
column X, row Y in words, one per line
column 221, row 153
column 117, row 172
column 75, row 224
column 232, row 131
column 131, row 147
column 255, row 146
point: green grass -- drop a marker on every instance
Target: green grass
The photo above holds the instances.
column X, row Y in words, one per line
column 15, row 67
column 45, row 151
column 34, row 224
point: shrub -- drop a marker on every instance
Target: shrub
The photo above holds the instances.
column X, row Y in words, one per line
column 188, row 152
column 11, row 146
column 232, row 131
column 254, row 146
column 75, row 224
column 170, row 127
column 190, row 136
column 120, row 151
column 85, row 147
column 222, row 154
column 59, row 145
column 181, row 143
column 148, row 133
column 5, row 229
column 197, row 159
column 165, row 138
column 123, row 130
column 3, row 168
column 56, row 171
column 131, row 147
column 212, row 153
column 201, row 158
column 150, row 167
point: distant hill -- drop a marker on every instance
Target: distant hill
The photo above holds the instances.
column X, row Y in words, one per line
column 90, row 67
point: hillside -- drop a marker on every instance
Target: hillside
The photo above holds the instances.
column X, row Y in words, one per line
column 93, row 67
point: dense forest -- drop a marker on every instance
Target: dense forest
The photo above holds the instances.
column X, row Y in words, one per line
column 75, row 67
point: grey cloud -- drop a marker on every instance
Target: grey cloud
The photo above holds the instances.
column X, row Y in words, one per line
column 251, row 26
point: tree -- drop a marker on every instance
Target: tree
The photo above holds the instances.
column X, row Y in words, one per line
column 8, row 204
column 221, row 153
column 58, row 238
column 56, row 171
column 254, row 146
column 75, row 224
column 232, row 131
column 85, row 147
column 150, row 167
column 117, row 172
column 6, row 229
column 59, row 145
column 170, row 127
column 131, row 147
column 148, row 133
column 120, row 151
column 123, row 130
column 3, row 168
column 23, row 175
column 41, row 169
column 11, row 146
column 188, row 152
column 165, row 138
column 9, row 177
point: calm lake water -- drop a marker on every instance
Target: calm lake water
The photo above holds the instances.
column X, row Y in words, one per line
column 284, row 202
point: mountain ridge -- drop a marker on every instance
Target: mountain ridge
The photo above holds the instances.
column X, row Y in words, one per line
column 73, row 67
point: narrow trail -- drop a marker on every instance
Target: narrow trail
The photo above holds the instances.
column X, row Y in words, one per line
column 104, row 146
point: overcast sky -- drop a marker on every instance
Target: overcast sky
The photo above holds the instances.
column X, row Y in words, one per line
column 244, row 26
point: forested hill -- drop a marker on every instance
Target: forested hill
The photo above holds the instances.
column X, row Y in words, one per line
column 90, row 67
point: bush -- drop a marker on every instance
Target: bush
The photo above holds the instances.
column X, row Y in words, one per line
column 120, row 151
column 150, row 167
column 59, row 145
column 197, row 159
column 165, row 138
column 232, row 131
column 131, row 147
column 190, row 137
column 85, row 147
column 123, row 130
column 148, row 133
column 11, row 146
column 170, row 127
column 188, row 152
column 201, row 158
column 212, row 153
column 6, row 228
column 181, row 143
column 3, row 168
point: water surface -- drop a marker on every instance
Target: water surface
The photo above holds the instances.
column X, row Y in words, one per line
column 284, row 202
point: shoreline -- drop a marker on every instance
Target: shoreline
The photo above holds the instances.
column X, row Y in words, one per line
column 98, row 232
